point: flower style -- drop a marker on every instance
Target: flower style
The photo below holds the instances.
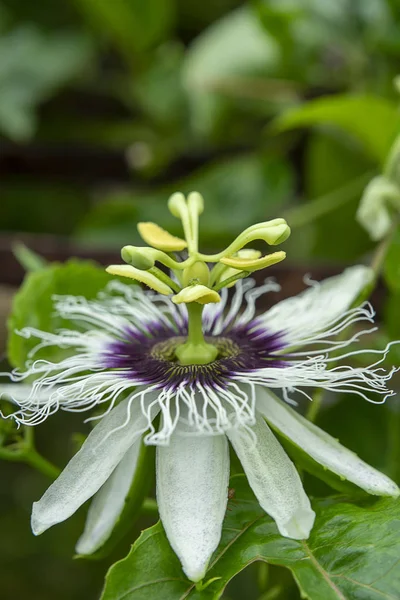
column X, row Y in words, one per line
column 192, row 374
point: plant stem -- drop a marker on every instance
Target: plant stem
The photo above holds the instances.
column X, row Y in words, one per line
column 26, row 452
column 314, row 209
column 41, row 464
column 381, row 250
column 315, row 405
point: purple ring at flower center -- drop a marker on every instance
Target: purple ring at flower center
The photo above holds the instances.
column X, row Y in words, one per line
column 148, row 358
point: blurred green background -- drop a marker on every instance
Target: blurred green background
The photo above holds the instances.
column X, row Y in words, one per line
column 269, row 108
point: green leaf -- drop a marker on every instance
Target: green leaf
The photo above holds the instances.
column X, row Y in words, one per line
column 32, row 67
column 335, row 176
column 352, row 553
column 235, row 45
column 133, row 25
column 371, row 120
column 33, row 304
column 322, row 41
column 392, row 264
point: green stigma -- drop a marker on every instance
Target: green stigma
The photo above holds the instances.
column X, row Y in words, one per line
column 196, row 283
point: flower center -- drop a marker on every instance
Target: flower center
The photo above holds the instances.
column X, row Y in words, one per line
column 166, row 350
column 229, row 356
column 196, row 281
column 151, row 358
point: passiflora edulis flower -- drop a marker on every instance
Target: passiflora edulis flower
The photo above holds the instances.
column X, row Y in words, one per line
column 189, row 368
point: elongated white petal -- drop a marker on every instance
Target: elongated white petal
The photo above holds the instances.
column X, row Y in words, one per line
column 192, row 493
column 86, row 472
column 322, row 447
column 108, row 503
column 274, row 480
column 317, row 308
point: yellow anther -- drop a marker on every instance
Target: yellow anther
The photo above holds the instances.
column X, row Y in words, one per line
column 156, row 236
column 253, row 264
column 142, row 276
column 196, row 293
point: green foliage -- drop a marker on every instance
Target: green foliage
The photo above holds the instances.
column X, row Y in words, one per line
column 32, row 67
column 133, row 25
column 392, row 263
column 216, row 56
column 33, row 304
column 371, row 120
column 173, row 95
column 265, row 182
column 352, row 552
column 328, row 42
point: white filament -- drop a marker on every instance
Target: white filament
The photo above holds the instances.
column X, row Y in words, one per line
column 82, row 381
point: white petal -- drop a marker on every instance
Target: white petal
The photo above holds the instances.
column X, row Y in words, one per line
column 322, row 447
column 90, row 467
column 192, row 493
column 274, row 480
column 108, row 503
column 316, row 308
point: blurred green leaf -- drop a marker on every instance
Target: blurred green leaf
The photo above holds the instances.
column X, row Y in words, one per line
column 162, row 79
column 134, row 25
column 391, row 269
column 33, row 304
column 352, row 552
column 30, row 260
column 326, row 44
column 234, row 45
column 371, row 120
column 335, row 175
column 307, row 212
column 32, row 67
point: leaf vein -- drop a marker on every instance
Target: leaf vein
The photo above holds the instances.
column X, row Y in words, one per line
column 324, row 573
column 368, row 586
